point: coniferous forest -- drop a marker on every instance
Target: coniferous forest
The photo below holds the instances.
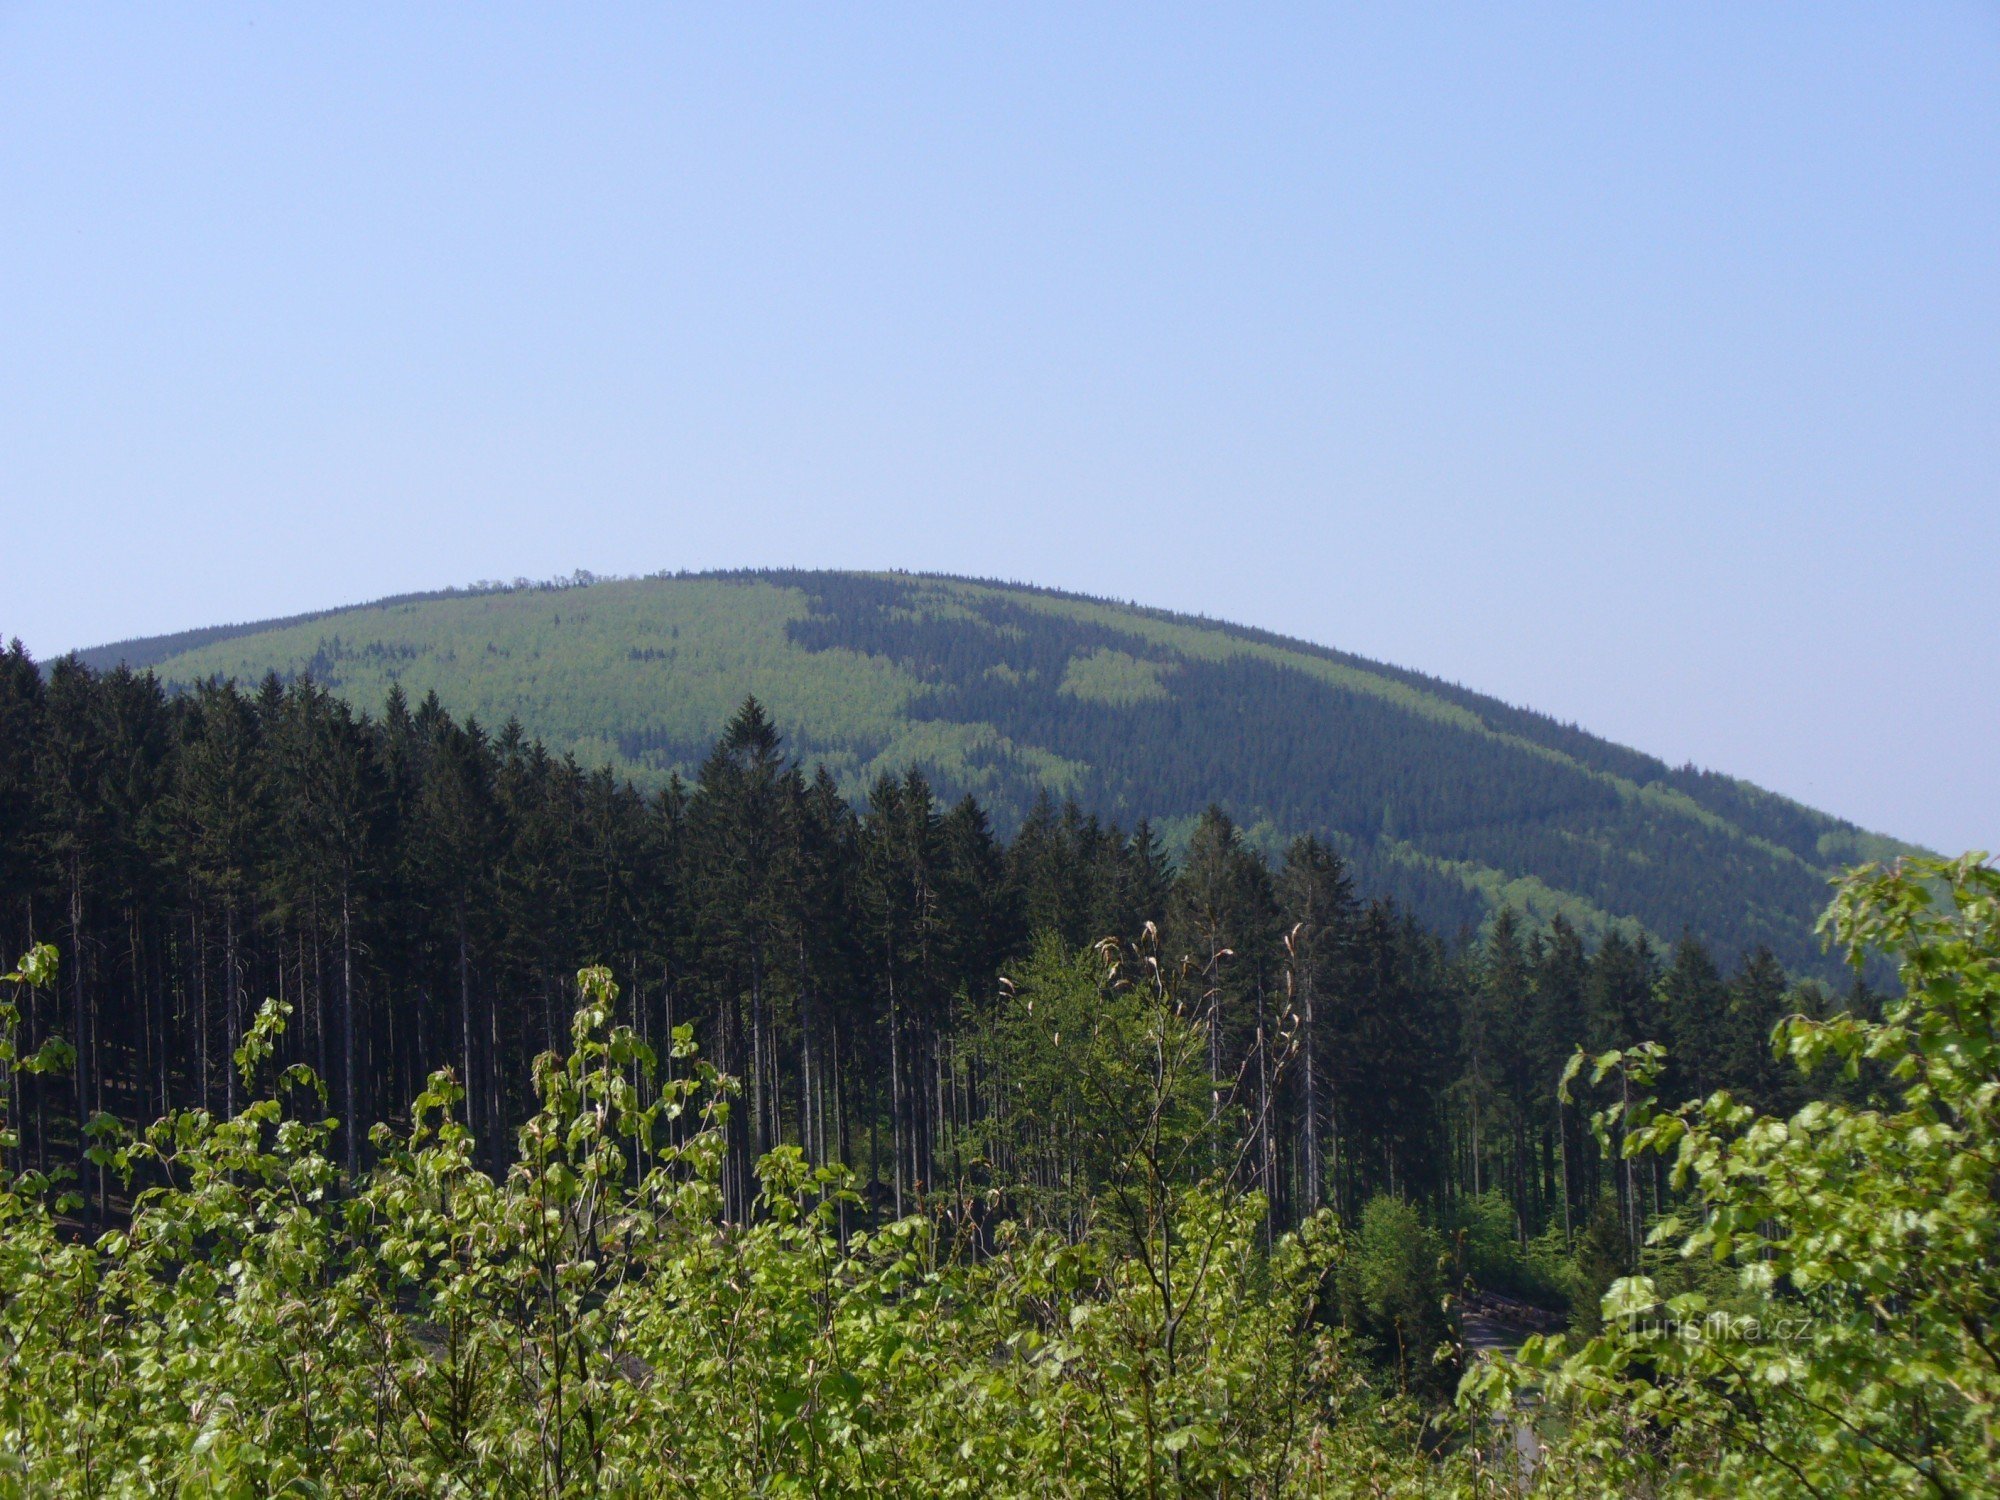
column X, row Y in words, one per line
column 422, row 893
column 1453, row 802
column 733, row 1137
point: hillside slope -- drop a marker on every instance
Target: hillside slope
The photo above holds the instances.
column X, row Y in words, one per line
column 1449, row 800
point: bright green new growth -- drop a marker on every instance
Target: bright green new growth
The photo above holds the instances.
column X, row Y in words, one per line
column 590, row 1325
column 1819, row 1319
column 1823, row 1317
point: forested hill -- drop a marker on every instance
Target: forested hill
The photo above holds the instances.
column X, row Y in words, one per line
column 1452, row 802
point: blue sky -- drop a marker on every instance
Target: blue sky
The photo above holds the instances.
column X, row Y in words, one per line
column 1637, row 363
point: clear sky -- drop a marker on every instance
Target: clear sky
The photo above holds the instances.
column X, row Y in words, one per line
column 1637, row 363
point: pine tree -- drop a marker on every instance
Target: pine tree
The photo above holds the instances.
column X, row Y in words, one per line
column 1694, row 1013
column 1318, row 912
column 1559, row 1026
column 1758, row 998
column 20, row 732
column 128, row 1038
column 899, row 875
column 823, row 921
column 328, row 794
column 218, row 811
column 22, row 861
column 451, row 855
column 743, row 832
column 1148, row 882
column 1038, row 868
column 1498, row 1083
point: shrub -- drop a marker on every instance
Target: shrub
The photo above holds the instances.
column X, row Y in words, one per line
column 589, row 1323
column 1855, row 1352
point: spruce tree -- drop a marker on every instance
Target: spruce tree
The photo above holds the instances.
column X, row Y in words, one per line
column 1318, row 912
column 222, row 823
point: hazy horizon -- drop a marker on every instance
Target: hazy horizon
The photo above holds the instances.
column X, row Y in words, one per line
column 1635, row 367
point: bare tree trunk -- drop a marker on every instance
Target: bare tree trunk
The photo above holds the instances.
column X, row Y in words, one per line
column 81, row 1048
column 198, row 951
column 232, row 1019
column 1313, row 1169
column 840, row 1143
column 810, row 1137
column 323, row 1033
column 667, row 999
column 896, row 1085
column 1264, row 1154
column 465, row 1024
column 1476, row 1187
column 1631, row 1189
column 1562, row 1148
column 496, row 1114
column 351, row 1120
column 142, row 1018
column 757, row 1102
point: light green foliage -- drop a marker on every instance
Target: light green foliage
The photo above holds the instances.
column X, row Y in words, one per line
column 969, row 753
column 1073, row 1061
column 576, row 665
column 1393, row 1287
column 1116, row 677
column 1198, row 642
column 1851, row 1346
column 590, row 1325
column 1486, row 1251
column 1524, row 895
column 1603, row 1254
column 37, row 970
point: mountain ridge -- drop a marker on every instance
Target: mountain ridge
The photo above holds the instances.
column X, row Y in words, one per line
column 1453, row 801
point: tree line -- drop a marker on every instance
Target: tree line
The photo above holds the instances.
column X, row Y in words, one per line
column 422, row 892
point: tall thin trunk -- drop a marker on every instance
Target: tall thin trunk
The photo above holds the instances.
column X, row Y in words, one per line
column 758, row 1117
column 667, row 1000
column 810, row 1140
column 198, row 954
column 896, row 1083
column 840, row 1142
column 1631, row 1189
column 232, row 1019
column 1214, row 976
column 465, row 1023
column 739, row 1124
column 1264, row 1158
column 322, row 1032
column 1310, row 1081
column 1562, row 1149
column 496, row 1113
column 142, row 1020
column 21, row 1044
column 351, row 1119
column 1476, row 1187
column 77, row 1017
